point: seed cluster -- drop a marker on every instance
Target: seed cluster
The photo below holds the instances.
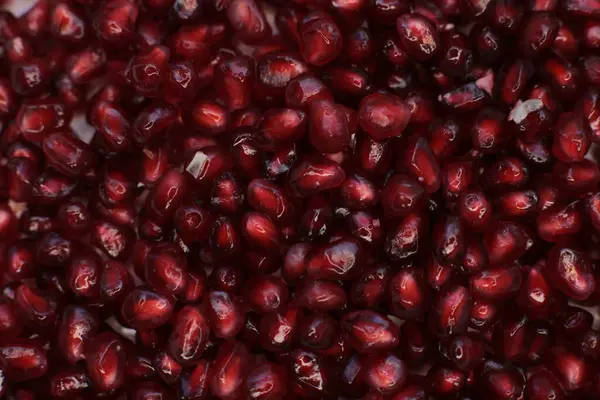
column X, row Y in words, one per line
column 300, row 199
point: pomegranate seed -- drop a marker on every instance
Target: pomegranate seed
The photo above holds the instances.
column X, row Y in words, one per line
column 407, row 293
column 105, row 361
column 569, row 271
column 571, row 370
column 496, row 283
column 318, row 295
column 402, row 240
column 145, row 309
column 536, row 297
column 369, row 331
column 309, row 376
column 451, row 313
column 225, row 314
column 115, row 21
column 383, row 116
column 418, row 36
column 501, row 383
column 226, row 376
column 23, row 359
column 320, row 39
column 194, row 384
column 266, row 382
column 541, row 383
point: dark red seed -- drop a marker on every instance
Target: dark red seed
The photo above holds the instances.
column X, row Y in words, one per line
column 383, row 116
column 145, row 309
column 23, row 359
column 105, row 361
column 369, row 331
column 418, row 36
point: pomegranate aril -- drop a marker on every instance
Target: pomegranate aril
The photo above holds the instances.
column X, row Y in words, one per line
column 69, row 383
column 147, row 70
column 151, row 124
column 468, row 97
column 328, row 127
column 319, row 295
column 30, row 77
column 571, row 370
column 37, row 308
column 369, row 331
column 18, row 50
column 226, row 375
column 11, row 324
column 309, row 375
column 320, row 39
column 448, row 241
column 316, row 174
column 536, row 297
column 339, row 260
column 115, row 21
column 407, row 294
column 166, row 269
column 105, row 361
column 167, row 368
column 281, row 127
column 418, row 36
column 38, row 117
column 194, row 384
column 23, row 359
column 489, row 45
column 248, row 20
column 145, row 309
column 560, row 221
column 385, row 373
column 225, row 314
column 266, row 294
column 113, row 127
column 538, row 34
column 145, row 390
column 571, row 140
column 451, row 312
column 576, row 177
column 500, row 382
column 383, row 116
column 573, row 322
column 268, row 381
column 582, row 8
column 83, row 276
column 274, row 71
column 445, row 381
column 517, row 204
column 405, row 238
column 542, row 384
column 569, row 270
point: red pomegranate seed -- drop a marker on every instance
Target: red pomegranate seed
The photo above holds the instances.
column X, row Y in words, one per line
column 226, row 376
column 115, row 21
column 569, row 271
column 390, row 206
column 145, row 309
column 570, row 369
column 418, row 36
column 383, row 116
column 105, row 361
column 23, row 359
column 318, row 295
column 320, row 39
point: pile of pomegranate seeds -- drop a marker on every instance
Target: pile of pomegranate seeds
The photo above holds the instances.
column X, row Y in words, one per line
column 300, row 199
